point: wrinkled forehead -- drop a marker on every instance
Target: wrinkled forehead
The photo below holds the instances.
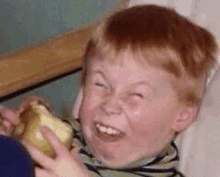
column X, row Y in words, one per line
column 123, row 60
column 163, row 58
column 126, row 72
column 131, row 64
column 119, row 57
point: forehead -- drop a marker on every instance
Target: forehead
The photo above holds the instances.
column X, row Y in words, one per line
column 125, row 62
column 130, row 67
column 162, row 57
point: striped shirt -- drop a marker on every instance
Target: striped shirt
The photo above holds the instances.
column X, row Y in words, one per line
column 163, row 165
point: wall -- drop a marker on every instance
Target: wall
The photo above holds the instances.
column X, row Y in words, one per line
column 30, row 21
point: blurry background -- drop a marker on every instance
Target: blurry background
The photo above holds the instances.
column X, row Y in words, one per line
column 25, row 22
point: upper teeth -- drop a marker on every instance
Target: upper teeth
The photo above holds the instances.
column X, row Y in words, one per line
column 106, row 129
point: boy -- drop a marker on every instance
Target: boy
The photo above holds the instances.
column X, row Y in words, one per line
column 143, row 76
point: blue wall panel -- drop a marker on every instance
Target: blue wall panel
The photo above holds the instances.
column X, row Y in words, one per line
column 24, row 22
column 30, row 21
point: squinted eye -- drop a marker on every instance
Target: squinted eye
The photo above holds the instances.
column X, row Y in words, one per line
column 99, row 84
column 139, row 95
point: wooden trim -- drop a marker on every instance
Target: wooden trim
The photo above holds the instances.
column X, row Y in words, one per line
column 38, row 63
column 28, row 66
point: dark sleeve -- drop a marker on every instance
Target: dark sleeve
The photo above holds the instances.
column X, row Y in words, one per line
column 15, row 161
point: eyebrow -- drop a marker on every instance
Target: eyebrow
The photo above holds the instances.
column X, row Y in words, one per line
column 143, row 83
column 100, row 73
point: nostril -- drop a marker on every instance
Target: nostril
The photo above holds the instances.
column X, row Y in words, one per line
column 111, row 104
column 110, row 109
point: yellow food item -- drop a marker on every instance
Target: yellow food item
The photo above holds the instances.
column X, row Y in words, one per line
column 35, row 115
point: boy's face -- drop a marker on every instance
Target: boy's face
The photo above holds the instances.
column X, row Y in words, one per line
column 128, row 110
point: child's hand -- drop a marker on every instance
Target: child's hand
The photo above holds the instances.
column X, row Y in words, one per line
column 66, row 164
column 8, row 120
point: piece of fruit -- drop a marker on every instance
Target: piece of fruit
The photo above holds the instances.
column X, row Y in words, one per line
column 36, row 114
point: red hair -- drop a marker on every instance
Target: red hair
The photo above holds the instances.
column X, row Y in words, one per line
column 161, row 37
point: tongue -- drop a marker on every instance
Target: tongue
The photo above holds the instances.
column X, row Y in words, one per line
column 107, row 137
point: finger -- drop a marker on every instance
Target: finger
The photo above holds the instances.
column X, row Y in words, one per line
column 39, row 156
column 8, row 120
column 3, row 131
column 41, row 172
column 9, row 115
column 7, row 127
column 59, row 148
column 30, row 100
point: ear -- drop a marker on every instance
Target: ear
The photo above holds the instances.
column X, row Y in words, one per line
column 185, row 117
column 78, row 103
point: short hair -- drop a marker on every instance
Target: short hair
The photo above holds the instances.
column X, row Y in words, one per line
column 164, row 39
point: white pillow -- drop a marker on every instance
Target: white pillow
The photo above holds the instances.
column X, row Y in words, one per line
column 199, row 145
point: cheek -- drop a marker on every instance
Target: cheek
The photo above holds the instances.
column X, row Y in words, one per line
column 91, row 99
column 146, row 119
column 91, row 103
column 145, row 125
column 93, row 94
column 149, row 133
column 132, row 107
column 145, row 135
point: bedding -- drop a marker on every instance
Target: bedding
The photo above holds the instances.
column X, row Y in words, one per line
column 199, row 145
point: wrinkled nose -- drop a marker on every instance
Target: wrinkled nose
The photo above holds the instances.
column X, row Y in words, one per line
column 111, row 105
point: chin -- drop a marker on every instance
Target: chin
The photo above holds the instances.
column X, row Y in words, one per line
column 109, row 157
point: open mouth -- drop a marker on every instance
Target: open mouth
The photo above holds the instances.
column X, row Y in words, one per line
column 108, row 133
